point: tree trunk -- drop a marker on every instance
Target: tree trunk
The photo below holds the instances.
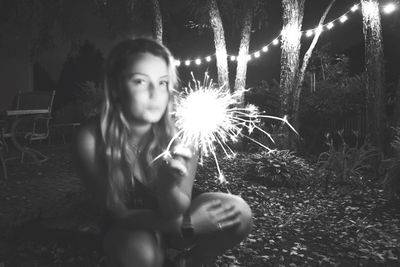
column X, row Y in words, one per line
column 396, row 114
column 241, row 70
column 219, row 41
column 375, row 71
column 157, row 24
column 303, row 68
column 293, row 11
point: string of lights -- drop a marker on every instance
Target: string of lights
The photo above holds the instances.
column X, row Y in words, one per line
column 387, row 9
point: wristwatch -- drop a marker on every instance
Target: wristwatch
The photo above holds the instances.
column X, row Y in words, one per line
column 187, row 229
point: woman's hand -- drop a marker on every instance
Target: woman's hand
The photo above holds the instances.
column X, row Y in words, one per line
column 175, row 181
column 176, row 164
column 214, row 216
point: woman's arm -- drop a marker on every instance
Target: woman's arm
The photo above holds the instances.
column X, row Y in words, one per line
column 90, row 170
column 92, row 173
column 175, row 182
column 148, row 219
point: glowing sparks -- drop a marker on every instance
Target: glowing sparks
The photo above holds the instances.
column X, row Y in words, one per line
column 210, row 118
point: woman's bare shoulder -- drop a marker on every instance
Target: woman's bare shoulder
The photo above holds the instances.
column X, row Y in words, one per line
column 86, row 141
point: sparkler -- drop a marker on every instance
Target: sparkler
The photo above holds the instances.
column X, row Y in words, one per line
column 208, row 117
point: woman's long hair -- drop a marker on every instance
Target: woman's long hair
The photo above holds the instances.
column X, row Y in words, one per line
column 120, row 156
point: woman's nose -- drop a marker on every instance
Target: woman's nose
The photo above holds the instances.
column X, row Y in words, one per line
column 153, row 89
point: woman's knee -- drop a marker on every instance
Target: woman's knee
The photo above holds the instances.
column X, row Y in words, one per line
column 245, row 214
column 246, row 217
column 134, row 248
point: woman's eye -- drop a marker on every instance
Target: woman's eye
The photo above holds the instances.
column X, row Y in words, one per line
column 139, row 82
column 164, row 83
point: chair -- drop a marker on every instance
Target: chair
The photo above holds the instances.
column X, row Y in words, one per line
column 3, row 147
column 39, row 128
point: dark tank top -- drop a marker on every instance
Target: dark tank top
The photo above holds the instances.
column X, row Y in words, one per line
column 141, row 197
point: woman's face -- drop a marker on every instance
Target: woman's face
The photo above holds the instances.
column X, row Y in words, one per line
column 145, row 93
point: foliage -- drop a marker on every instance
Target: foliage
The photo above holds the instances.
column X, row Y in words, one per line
column 51, row 222
column 90, row 99
column 343, row 164
column 39, row 24
column 266, row 96
column 126, row 17
column 84, row 65
column 327, row 67
column 87, row 104
column 232, row 12
column 333, row 100
column 279, row 168
column 69, row 113
column 391, row 181
column 337, row 98
column 41, row 79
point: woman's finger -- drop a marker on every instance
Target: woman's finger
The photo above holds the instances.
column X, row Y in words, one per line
column 230, row 215
column 182, row 151
column 224, row 209
column 177, row 167
column 213, row 204
column 230, row 223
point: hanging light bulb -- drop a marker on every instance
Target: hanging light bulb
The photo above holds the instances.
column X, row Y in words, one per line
column 177, row 63
column 257, row 54
column 275, row 42
column 187, row 62
column 330, row 25
column 309, row 33
column 232, row 58
column 343, row 18
column 265, row 48
column 354, row 8
column 197, row 61
column 208, row 58
column 389, row 8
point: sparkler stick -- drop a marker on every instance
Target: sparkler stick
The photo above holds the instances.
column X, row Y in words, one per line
column 208, row 117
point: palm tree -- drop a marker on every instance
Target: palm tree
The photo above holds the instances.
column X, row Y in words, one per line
column 375, row 70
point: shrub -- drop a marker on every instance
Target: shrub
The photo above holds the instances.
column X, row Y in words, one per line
column 90, row 99
column 391, row 181
column 279, row 168
column 344, row 164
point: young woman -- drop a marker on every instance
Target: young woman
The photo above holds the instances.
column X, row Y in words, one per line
column 149, row 204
